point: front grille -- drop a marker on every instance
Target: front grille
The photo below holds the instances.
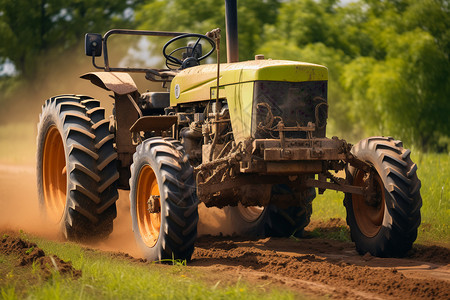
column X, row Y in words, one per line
column 294, row 103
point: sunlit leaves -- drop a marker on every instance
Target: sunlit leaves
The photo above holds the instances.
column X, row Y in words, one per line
column 390, row 60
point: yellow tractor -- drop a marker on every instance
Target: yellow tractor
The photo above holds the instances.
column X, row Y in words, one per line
column 249, row 137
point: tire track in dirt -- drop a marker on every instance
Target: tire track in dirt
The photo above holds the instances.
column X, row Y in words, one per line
column 331, row 263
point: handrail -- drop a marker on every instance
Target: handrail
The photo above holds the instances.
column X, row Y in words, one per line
column 107, row 68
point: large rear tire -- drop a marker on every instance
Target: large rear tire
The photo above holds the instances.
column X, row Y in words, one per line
column 272, row 221
column 76, row 167
column 386, row 224
column 163, row 200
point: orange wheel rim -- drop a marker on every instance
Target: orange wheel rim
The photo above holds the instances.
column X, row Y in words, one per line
column 369, row 217
column 54, row 174
column 250, row 213
column 149, row 223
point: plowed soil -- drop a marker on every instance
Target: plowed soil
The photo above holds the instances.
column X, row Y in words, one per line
column 315, row 266
column 27, row 253
column 328, row 267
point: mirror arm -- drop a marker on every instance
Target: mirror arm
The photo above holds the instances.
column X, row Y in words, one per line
column 94, row 64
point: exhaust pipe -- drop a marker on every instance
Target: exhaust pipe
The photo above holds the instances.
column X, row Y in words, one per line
column 232, row 31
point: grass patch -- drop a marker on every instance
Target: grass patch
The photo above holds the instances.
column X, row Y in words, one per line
column 434, row 173
column 15, row 280
column 340, row 233
column 106, row 276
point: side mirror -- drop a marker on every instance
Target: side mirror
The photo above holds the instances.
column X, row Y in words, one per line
column 93, row 44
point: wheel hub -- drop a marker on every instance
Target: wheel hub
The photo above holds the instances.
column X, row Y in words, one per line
column 372, row 195
column 148, row 206
column 369, row 208
column 154, row 205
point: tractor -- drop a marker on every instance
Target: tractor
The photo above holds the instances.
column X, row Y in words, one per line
column 245, row 136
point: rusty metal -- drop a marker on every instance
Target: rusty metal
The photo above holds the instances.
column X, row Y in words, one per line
column 163, row 74
column 232, row 159
column 250, row 190
column 136, row 107
column 333, row 186
column 154, row 123
column 293, row 167
column 357, row 163
column 311, row 127
column 300, row 149
column 119, row 83
column 125, row 117
column 215, row 34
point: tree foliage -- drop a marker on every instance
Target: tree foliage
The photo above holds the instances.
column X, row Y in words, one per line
column 388, row 60
column 205, row 15
column 30, row 29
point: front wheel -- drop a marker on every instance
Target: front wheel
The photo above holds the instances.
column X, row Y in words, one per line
column 163, row 200
column 384, row 223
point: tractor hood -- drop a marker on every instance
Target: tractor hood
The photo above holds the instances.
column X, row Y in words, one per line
column 199, row 83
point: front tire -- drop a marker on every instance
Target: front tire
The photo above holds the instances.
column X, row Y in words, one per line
column 76, row 167
column 163, row 200
column 386, row 224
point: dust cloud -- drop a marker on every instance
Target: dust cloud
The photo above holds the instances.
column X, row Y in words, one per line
column 19, row 210
column 122, row 237
column 213, row 221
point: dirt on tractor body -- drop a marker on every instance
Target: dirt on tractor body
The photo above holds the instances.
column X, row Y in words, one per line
column 315, row 266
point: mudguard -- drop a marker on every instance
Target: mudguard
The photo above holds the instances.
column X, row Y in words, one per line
column 119, row 83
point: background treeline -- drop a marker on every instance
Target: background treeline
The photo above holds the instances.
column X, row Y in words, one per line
column 388, row 60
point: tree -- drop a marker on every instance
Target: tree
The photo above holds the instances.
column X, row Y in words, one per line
column 181, row 15
column 388, row 63
column 402, row 88
column 31, row 28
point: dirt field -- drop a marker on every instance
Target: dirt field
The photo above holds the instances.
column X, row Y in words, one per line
column 318, row 267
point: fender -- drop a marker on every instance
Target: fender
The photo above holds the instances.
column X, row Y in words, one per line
column 125, row 116
column 119, row 83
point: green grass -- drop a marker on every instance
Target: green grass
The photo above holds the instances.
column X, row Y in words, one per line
column 434, row 173
column 108, row 277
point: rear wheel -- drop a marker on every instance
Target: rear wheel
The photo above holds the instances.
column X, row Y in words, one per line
column 385, row 223
column 76, row 167
column 163, row 200
column 256, row 221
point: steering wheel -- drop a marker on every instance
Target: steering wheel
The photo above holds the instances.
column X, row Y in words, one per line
column 172, row 61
